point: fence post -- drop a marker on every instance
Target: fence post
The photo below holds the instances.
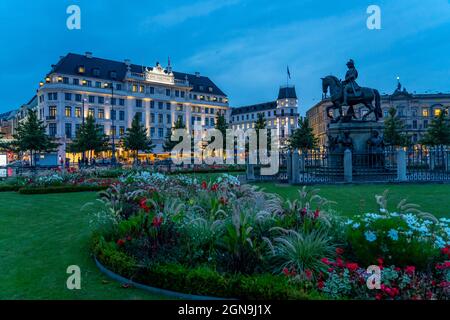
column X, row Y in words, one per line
column 250, row 172
column 289, row 165
column 401, row 165
column 348, row 167
column 447, row 159
column 295, row 167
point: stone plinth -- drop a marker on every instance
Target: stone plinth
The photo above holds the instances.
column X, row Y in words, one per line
column 359, row 131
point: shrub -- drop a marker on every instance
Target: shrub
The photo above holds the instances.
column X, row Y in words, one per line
column 60, row 189
column 401, row 239
column 9, row 188
column 200, row 280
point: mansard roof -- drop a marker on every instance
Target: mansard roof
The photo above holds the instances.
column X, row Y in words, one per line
column 254, row 108
column 105, row 70
column 287, row 93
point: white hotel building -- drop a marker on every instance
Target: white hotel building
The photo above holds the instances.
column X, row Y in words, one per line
column 281, row 115
column 114, row 92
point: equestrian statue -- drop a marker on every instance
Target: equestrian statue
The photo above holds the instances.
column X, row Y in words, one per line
column 349, row 93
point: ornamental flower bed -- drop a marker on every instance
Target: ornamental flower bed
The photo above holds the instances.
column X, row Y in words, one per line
column 226, row 239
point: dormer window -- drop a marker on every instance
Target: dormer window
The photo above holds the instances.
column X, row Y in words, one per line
column 96, row 72
column 210, row 89
column 81, row 69
column 113, row 75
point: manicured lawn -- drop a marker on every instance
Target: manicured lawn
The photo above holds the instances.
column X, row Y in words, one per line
column 354, row 199
column 40, row 236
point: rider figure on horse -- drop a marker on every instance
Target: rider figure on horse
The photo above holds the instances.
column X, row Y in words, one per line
column 350, row 81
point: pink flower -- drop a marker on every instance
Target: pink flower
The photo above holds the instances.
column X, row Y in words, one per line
column 120, row 242
column 339, row 251
column 215, row 187
column 303, row 212
column 326, row 261
column 320, row 284
column 204, row 185
column 410, row 270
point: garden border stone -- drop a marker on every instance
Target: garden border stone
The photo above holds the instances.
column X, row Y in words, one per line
column 158, row 291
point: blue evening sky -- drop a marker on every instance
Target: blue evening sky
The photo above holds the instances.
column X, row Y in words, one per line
column 243, row 45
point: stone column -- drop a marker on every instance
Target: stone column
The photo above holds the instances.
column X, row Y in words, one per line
column 295, row 167
column 401, row 165
column 348, row 167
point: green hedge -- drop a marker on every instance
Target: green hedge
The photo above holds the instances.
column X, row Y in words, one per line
column 9, row 188
column 201, row 280
column 60, row 189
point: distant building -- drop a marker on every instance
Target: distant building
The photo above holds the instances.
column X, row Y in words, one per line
column 416, row 111
column 113, row 92
column 281, row 114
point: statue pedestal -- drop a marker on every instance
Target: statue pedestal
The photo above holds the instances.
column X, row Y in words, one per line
column 360, row 132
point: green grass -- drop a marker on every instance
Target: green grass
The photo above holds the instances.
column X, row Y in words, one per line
column 40, row 236
column 355, row 199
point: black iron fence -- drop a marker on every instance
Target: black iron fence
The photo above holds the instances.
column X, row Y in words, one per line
column 387, row 165
column 428, row 164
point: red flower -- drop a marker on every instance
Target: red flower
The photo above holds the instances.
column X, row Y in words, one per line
column 339, row 251
column 326, row 261
column 410, row 270
column 303, row 212
column 378, row 296
column 204, row 185
column 380, row 262
column 286, row 272
column 157, row 221
column 352, row 267
column 143, row 204
column 316, row 213
column 320, row 284
column 446, row 250
column 120, row 242
column 339, row 262
column 215, row 187
column 308, row 274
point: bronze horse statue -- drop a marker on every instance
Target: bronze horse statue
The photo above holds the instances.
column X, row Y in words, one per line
column 366, row 97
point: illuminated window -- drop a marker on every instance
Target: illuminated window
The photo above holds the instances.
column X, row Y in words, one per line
column 425, row 112
column 78, row 112
column 68, row 112
column 91, row 112
column 437, row 112
column 134, row 88
column 141, row 89
column 81, row 69
column 101, row 113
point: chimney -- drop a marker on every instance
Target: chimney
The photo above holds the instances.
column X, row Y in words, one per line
column 197, row 74
column 88, row 54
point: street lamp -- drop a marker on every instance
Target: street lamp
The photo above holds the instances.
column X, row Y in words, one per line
column 113, row 148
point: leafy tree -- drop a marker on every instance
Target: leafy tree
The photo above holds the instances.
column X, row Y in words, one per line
column 168, row 143
column 222, row 126
column 32, row 137
column 89, row 138
column 438, row 133
column 394, row 130
column 303, row 137
column 260, row 124
column 136, row 138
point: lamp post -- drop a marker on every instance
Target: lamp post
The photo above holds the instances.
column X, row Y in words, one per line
column 113, row 147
